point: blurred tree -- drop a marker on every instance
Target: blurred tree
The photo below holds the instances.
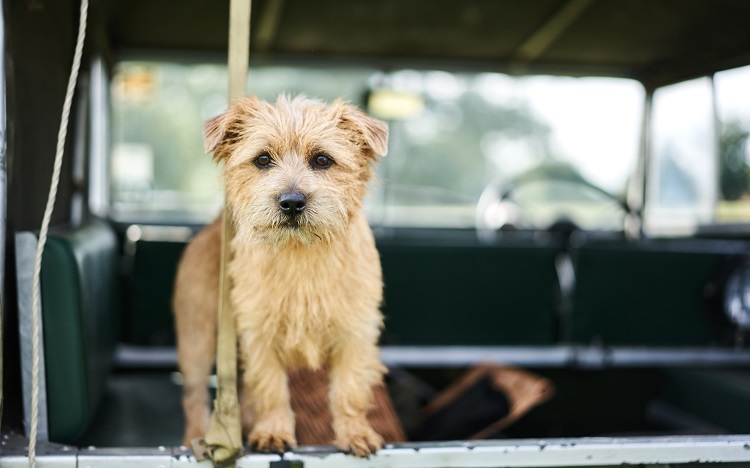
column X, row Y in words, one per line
column 734, row 177
column 441, row 149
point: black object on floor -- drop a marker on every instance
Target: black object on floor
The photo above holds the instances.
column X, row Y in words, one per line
column 473, row 410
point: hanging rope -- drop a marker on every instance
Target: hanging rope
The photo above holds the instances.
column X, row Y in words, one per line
column 61, row 136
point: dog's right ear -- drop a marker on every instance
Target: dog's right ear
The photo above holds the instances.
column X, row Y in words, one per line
column 229, row 125
column 214, row 130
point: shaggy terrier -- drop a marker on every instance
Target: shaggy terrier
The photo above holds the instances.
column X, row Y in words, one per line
column 305, row 274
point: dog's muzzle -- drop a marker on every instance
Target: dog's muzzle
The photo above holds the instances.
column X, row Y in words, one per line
column 292, row 203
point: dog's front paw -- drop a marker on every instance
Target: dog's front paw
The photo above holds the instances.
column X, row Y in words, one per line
column 271, row 442
column 359, row 440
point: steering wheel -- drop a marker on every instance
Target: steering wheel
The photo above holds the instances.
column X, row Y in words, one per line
column 548, row 202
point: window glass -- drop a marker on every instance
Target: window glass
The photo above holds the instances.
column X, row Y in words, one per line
column 733, row 105
column 539, row 148
column 159, row 172
column 533, row 146
column 681, row 188
column 158, row 169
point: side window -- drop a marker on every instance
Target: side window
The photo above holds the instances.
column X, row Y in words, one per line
column 733, row 106
column 158, row 171
column 682, row 179
column 699, row 173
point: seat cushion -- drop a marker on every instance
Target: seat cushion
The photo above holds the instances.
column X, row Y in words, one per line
column 80, row 313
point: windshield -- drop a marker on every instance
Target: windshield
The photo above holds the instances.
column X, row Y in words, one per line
column 454, row 138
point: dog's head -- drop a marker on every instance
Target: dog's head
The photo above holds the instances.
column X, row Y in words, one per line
column 295, row 171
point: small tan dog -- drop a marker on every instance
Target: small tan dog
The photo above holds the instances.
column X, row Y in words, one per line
column 306, row 278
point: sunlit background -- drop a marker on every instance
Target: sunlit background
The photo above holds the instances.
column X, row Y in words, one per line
column 455, row 137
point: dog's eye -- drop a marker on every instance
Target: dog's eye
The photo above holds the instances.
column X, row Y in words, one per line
column 322, row 161
column 263, row 161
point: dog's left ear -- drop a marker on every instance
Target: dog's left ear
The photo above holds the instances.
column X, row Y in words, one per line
column 374, row 131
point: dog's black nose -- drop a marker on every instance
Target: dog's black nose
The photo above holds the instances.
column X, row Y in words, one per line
column 292, row 203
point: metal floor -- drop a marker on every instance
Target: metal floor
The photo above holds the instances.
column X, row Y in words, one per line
column 138, row 409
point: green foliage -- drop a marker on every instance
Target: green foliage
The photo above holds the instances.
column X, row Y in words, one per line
column 734, row 172
column 446, row 159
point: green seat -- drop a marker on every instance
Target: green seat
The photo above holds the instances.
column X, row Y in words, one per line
column 435, row 294
column 80, row 314
column 649, row 293
column 470, row 295
column 152, row 281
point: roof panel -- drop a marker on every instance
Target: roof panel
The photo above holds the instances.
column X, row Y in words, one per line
column 655, row 40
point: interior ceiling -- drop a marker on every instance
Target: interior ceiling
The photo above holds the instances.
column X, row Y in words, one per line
column 656, row 41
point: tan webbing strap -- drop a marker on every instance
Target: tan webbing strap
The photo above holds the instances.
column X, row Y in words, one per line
column 239, row 47
column 224, row 436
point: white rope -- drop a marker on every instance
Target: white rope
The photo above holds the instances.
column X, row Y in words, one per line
column 45, row 227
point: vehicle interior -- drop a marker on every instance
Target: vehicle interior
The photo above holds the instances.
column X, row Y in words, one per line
column 567, row 191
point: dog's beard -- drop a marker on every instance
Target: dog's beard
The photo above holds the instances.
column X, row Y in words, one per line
column 323, row 221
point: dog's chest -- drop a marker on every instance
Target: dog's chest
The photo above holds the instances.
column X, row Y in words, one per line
column 300, row 302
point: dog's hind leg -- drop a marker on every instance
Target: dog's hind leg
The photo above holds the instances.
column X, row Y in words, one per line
column 195, row 306
column 195, row 397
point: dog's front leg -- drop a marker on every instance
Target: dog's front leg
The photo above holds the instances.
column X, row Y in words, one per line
column 355, row 369
column 266, row 388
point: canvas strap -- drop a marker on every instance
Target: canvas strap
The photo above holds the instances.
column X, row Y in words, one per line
column 223, row 440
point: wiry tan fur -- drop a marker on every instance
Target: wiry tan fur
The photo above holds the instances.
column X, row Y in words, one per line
column 304, row 295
